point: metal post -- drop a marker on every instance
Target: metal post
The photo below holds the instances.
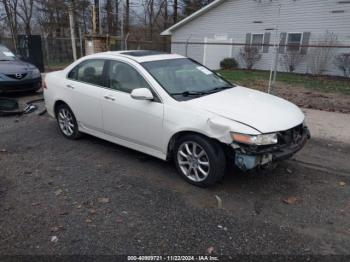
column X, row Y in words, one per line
column 72, row 32
column 99, row 17
column 81, row 42
column 122, row 26
column 186, row 46
column 273, row 72
column 126, row 41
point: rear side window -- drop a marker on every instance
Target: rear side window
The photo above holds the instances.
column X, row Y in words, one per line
column 90, row 71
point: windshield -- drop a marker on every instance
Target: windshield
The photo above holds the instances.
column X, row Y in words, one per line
column 6, row 54
column 185, row 78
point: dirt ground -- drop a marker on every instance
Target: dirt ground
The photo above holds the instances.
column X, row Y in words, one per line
column 91, row 197
column 306, row 98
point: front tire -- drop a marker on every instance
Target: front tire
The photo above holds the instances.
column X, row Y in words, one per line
column 199, row 160
column 67, row 122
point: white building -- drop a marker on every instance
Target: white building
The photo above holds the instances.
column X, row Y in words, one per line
column 298, row 22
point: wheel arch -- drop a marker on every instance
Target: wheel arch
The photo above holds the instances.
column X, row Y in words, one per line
column 57, row 104
column 175, row 137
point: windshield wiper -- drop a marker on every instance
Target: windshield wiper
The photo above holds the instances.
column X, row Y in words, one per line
column 218, row 89
column 201, row 93
column 189, row 93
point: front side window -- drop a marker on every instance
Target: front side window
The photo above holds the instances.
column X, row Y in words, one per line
column 257, row 41
column 90, row 71
column 124, row 78
column 294, row 41
column 185, row 78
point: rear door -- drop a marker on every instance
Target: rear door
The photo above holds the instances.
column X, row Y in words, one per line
column 135, row 121
column 85, row 84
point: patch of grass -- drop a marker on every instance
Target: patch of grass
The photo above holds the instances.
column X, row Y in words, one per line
column 320, row 83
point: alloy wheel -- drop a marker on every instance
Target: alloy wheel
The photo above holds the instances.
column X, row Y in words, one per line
column 66, row 122
column 193, row 161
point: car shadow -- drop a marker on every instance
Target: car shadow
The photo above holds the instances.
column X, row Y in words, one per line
column 164, row 174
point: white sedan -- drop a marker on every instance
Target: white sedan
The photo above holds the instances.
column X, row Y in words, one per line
column 172, row 107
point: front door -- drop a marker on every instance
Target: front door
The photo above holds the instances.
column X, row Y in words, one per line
column 136, row 121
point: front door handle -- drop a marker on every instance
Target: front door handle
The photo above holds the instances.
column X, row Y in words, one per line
column 109, row 98
column 69, row 86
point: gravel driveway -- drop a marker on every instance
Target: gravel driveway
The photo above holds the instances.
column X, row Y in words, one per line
column 61, row 197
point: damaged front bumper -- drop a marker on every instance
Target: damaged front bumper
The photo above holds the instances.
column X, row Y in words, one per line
column 290, row 142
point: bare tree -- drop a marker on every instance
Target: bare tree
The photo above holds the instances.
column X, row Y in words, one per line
column 175, row 11
column 319, row 57
column 11, row 7
column 127, row 16
column 250, row 56
column 110, row 18
column 291, row 59
column 25, row 12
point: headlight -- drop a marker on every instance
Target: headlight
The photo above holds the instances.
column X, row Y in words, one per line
column 259, row 140
column 36, row 73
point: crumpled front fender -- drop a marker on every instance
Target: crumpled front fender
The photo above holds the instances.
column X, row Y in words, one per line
column 220, row 128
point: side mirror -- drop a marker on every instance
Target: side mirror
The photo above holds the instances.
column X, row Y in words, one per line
column 142, row 94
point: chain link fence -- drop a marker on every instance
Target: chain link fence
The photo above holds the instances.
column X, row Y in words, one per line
column 320, row 55
column 303, row 53
column 57, row 51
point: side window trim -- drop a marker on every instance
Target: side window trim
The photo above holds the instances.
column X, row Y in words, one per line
column 107, row 67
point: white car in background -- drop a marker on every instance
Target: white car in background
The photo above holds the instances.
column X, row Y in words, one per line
column 171, row 107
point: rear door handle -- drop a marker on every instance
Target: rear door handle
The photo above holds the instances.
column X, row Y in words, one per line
column 109, row 98
column 69, row 86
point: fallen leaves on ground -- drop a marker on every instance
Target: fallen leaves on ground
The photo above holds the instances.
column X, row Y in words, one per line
column 103, row 200
column 56, row 228
column 219, row 200
column 291, row 200
column 210, row 250
column 58, row 192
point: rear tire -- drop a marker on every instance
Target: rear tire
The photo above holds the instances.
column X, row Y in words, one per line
column 199, row 160
column 67, row 122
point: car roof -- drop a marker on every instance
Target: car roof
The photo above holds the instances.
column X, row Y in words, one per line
column 140, row 56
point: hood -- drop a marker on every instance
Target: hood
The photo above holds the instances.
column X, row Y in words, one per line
column 15, row 66
column 263, row 112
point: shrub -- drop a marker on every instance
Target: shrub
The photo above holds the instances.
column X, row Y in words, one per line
column 291, row 59
column 318, row 58
column 250, row 56
column 229, row 63
column 342, row 61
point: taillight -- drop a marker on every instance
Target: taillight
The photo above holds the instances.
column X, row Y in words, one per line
column 44, row 85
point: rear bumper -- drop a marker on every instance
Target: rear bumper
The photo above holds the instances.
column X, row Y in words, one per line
column 249, row 157
column 20, row 86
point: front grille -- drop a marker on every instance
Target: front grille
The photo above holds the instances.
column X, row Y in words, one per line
column 17, row 76
column 291, row 136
